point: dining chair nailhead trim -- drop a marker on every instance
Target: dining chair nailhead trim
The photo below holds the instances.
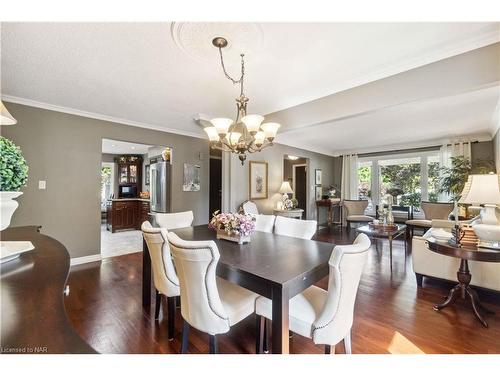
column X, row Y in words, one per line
column 163, row 263
column 206, row 274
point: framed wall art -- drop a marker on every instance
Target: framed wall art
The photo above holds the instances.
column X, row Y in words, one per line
column 318, row 192
column 191, row 180
column 258, row 186
column 318, row 176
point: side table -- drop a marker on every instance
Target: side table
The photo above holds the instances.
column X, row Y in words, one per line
column 295, row 214
column 464, row 276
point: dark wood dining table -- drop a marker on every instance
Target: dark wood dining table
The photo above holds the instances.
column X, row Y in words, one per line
column 274, row 266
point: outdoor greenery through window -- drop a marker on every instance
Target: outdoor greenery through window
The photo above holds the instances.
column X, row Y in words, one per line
column 409, row 179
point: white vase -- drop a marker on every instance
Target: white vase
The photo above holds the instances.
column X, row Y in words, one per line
column 8, row 205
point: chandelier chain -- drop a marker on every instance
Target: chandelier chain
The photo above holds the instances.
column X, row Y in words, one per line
column 240, row 80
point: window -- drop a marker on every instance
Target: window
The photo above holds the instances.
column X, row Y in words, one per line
column 401, row 178
column 365, row 182
column 409, row 178
column 433, row 178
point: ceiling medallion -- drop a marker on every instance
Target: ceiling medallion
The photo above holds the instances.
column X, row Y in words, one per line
column 247, row 133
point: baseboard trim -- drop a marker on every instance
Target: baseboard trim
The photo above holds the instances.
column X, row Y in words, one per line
column 86, row 259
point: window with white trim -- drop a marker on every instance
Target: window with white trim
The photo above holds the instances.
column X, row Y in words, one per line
column 409, row 178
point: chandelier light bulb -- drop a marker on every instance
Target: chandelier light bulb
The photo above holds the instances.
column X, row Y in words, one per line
column 212, row 133
column 252, row 122
column 270, row 129
column 259, row 137
column 233, row 138
column 222, row 124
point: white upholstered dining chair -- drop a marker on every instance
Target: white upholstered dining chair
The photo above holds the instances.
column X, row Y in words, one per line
column 208, row 303
column 250, row 207
column 325, row 316
column 164, row 275
column 175, row 220
column 286, row 226
column 264, row 223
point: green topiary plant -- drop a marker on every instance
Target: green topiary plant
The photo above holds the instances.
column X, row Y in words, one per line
column 13, row 167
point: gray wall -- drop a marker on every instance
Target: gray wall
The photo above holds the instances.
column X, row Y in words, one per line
column 239, row 176
column 482, row 152
column 65, row 150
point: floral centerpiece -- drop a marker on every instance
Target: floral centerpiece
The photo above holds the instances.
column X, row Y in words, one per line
column 233, row 227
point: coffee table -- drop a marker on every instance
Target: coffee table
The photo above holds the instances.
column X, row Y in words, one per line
column 382, row 233
column 463, row 275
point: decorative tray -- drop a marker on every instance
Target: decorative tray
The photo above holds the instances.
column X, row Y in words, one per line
column 383, row 227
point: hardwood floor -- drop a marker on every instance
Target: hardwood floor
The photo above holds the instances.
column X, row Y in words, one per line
column 392, row 315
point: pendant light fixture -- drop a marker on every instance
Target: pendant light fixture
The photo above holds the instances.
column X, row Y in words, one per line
column 247, row 133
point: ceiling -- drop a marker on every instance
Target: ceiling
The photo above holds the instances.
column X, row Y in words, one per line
column 429, row 122
column 160, row 75
column 111, row 146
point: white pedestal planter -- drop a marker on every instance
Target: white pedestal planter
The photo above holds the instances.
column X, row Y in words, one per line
column 8, row 205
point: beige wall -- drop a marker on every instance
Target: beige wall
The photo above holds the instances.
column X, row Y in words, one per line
column 239, row 176
column 65, row 150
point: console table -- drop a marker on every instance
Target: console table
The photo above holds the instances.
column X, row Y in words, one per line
column 295, row 214
column 329, row 205
column 464, row 276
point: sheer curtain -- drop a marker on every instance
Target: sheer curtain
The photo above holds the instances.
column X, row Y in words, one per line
column 446, row 152
column 349, row 188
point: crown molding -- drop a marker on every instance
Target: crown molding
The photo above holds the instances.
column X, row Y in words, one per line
column 97, row 116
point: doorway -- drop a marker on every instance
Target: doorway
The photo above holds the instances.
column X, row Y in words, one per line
column 124, row 193
column 295, row 172
column 300, row 186
column 215, row 178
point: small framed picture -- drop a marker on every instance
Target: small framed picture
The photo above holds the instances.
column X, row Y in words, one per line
column 318, row 176
column 318, row 192
column 146, row 177
column 258, row 180
column 191, row 181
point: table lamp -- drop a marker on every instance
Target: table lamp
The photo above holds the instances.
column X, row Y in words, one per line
column 484, row 189
column 285, row 189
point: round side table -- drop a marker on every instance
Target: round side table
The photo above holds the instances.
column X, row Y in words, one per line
column 464, row 276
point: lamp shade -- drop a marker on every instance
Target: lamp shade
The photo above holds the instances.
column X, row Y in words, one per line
column 286, row 188
column 481, row 189
column 252, row 122
column 212, row 133
column 270, row 128
column 222, row 124
column 5, row 117
column 259, row 137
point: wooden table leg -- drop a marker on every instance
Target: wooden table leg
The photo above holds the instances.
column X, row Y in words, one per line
column 463, row 288
column 390, row 250
column 280, row 334
column 146, row 276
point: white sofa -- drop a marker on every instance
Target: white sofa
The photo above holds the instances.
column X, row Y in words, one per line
column 427, row 263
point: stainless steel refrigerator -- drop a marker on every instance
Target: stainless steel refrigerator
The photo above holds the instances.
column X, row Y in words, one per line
column 160, row 186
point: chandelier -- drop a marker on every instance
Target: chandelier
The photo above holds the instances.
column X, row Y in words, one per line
column 247, row 134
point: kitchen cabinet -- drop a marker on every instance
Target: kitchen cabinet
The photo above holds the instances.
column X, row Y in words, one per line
column 129, row 175
column 126, row 214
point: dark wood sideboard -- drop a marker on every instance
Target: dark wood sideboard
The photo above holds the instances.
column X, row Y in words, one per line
column 33, row 315
column 126, row 214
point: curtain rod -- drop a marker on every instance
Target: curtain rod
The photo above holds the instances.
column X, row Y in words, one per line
column 407, row 150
